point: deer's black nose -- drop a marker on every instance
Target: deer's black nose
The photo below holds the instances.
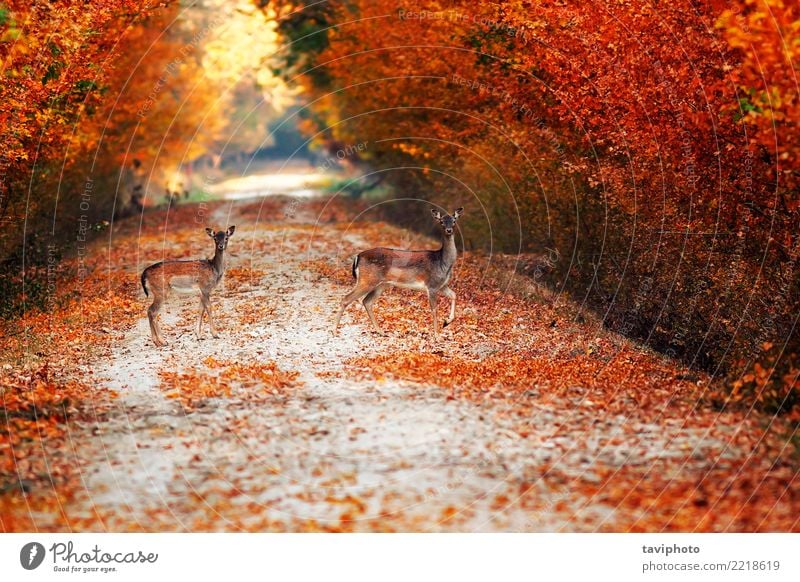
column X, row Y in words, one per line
column 449, row 230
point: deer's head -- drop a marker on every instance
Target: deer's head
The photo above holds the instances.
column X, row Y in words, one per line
column 447, row 222
column 221, row 237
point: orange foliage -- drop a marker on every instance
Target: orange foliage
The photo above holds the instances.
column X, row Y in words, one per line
column 652, row 148
column 57, row 66
column 194, row 389
column 764, row 33
column 36, row 409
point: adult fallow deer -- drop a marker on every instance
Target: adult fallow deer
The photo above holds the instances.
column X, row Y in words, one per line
column 186, row 276
column 428, row 271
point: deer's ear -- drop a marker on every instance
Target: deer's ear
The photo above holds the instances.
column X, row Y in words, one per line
column 457, row 213
column 210, row 232
column 230, row 230
column 436, row 214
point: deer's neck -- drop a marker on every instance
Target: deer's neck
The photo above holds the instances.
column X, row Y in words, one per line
column 448, row 251
column 218, row 262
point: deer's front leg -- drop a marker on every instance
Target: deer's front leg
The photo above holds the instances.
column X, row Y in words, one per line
column 368, row 302
column 432, row 298
column 199, row 331
column 450, row 294
column 206, row 302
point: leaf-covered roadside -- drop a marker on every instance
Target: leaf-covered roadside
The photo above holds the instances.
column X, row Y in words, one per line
column 46, row 380
column 46, row 383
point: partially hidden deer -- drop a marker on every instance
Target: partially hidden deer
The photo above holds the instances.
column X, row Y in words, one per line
column 186, row 276
column 424, row 270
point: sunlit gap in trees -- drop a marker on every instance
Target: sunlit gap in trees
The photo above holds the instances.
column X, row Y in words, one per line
column 214, row 99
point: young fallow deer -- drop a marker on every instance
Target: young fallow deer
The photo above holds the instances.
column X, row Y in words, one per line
column 186, row 276
column 428, row 271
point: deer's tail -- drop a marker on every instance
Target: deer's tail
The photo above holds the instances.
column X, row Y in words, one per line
column 144, row 283
column 355, row 267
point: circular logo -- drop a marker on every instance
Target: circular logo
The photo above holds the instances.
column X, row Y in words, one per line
column 31, row 555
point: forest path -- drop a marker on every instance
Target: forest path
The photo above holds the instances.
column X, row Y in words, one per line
column 202, row 437
column 336, row 454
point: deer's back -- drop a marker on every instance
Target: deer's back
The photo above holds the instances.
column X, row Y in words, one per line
column 181, row 275
column 398, row 266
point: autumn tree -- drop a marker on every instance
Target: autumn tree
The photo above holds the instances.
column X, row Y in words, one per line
column 56, row 68
column 97, row 93
column 641, row 143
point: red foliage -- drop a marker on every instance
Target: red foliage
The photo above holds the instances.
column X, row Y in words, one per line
column 651, row 148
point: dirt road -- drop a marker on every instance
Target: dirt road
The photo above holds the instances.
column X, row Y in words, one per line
column 195, row 442
column 338, row 453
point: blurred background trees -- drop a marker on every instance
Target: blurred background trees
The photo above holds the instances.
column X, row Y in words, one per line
column 109, row 107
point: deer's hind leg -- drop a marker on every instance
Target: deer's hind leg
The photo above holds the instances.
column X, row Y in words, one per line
column 361, row 289
column 368, row 301
column 152, row 316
